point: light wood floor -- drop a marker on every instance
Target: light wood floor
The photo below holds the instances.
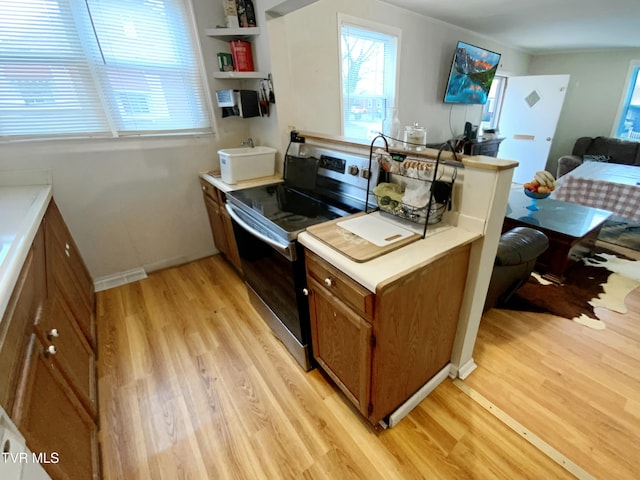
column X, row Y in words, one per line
column 575, row 387
column 193, row 385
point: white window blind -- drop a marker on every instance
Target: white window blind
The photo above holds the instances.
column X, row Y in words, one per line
column 98, row 68
column 368, row 67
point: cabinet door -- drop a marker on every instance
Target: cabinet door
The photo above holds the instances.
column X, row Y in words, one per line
column 342, row 342
column 53, row 422
column 74, row 356
column 216, row 223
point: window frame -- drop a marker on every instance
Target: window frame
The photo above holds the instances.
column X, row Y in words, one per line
column 377, row 29
column 106, row 102
column 632, row 80
column 499, row 97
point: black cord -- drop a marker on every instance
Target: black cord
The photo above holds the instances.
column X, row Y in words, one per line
column 386, row 145
column 284, row 167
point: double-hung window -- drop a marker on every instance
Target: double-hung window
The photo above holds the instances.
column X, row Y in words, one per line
column 627, row 125
column 99, row 68
column 368, row 69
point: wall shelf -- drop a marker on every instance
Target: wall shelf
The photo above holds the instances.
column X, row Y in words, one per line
column 239, row 75
column 232, row 33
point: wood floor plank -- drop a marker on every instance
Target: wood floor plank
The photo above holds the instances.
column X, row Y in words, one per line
column 576, row 388
column 193, row 384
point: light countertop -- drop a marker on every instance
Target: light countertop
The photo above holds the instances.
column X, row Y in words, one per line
column 390, row 266
column 21, row 211
column 229, row 187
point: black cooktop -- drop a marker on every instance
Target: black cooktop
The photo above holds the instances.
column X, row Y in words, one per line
column 291, row 210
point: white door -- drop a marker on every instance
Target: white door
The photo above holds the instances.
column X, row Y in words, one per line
column 530, row 112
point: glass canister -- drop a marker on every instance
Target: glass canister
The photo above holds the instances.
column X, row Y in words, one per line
column 415, row 137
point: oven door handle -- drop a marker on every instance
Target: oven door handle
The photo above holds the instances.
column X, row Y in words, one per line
column 285, row 250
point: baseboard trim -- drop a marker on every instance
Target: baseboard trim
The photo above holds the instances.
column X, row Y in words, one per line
column 524, row 432
column 120, row 278
column 465, row 370
column 404, row 409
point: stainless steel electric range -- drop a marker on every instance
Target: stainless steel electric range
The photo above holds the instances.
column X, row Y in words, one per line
column 324, row 185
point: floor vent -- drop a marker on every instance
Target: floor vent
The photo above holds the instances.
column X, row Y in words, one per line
column 117, row 279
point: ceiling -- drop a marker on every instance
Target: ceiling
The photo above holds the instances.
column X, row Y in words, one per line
column 541, row 26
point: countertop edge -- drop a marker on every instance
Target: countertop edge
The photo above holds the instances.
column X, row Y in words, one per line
column 373, row 273
column 226, row 187
column 20, row 249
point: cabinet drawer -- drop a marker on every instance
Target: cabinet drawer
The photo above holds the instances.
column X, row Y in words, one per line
column 211, row 191
column 208, row 189
column 340, row 285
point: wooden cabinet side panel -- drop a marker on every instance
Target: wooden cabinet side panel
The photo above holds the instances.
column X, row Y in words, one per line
column 67, row 274
column 56, row 226
column 232, row 247
column 415, row 325
column 341, row 344
column 53, row 421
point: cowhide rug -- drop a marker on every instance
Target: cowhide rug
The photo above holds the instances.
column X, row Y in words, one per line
column 601, row 280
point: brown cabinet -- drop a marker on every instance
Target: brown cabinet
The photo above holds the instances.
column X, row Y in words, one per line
column 342, row 342
column 67, row 274
column 47, row 355
column 488, row 148
column 24, row 306
column 382, row 348
column 53, row 422
column 73, row 356
column 220, row 222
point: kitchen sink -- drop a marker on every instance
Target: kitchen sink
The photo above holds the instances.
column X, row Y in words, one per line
column 245, row 163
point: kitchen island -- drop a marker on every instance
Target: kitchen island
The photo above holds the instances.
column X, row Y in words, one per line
column 390, row 329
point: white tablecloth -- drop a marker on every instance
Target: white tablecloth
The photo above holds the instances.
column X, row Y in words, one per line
column 608, row 186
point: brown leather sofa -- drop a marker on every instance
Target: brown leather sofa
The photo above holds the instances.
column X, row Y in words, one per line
column 518, row 251
column 608, row 149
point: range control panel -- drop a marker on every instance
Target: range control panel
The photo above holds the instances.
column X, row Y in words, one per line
column 333, row 163
column 345, row 167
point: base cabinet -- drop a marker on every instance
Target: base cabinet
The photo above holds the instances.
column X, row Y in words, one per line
column 220, row 223
column 380, row 348
column 47, row 339
column 55, row 424
column 342, row 342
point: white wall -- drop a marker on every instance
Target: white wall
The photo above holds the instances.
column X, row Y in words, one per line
column 137, row 203
column 595, row 90
column 305, row 53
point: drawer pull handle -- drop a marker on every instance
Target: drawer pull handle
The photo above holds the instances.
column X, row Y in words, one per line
column 50, row 350
column 305, row 292
column 53, row 333
column 328, row 281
